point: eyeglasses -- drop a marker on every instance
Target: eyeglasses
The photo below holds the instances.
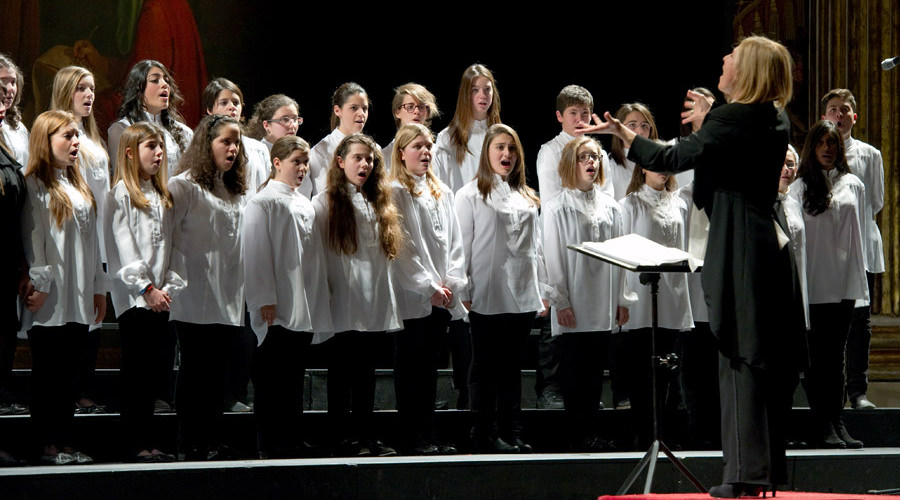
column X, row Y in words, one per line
column 790, row 164
column 584, row 157
column 634, row 126
column 287, row 121
column 410, row 107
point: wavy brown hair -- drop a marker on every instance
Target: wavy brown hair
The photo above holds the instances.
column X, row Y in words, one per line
column 133, row 106
column 198, row 158
column 264, row 111
column 516, row 177
column 342, row 234
column 817, row 197
column 40, row 164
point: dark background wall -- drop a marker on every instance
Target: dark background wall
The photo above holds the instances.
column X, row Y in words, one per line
column 642, row 51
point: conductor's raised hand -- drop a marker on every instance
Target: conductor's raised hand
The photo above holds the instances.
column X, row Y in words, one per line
column 609, row 125
column 696, row 107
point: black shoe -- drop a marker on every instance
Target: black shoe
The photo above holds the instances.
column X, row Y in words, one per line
column 830, row 439
column 496, row 445
column 426, row 449
column 447, row 449
column 521, row 445
column 7, row 460
column 380, row 449
column 736, row 490
column 841, row 430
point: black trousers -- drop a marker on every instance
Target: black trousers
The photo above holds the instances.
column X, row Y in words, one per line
column 755, row 407
column 279, row 368
column 351, row 384
column 240, row 367
column 54, row 357
column 142, row 333
column 547, row 376
column 200, row 386
column 858, row 343
column 582, row 359
column 459, row 339
column 495, row 379
column 9, row 327
column 700, row 385
column 829, row 327
column 416, row 355
column 638, row 347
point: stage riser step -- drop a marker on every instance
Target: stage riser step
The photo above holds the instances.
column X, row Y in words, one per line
column 106, row 389
column 100, row 435
column 477, row 477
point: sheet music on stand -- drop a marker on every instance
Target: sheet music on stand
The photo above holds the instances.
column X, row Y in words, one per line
column 636, row 253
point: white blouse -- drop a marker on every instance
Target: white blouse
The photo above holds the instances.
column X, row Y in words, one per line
column 319, row 162
column 432, row 256
column 284, row 263
column 362, row 292
column 388, row 153
column 503, row 250
column 591, row 287
column 865, row 162
column 258, row 165
column 64, row 262
column 173, row 151
column 445, row 166
column 139, row 248
column 95, row 169
column 699, row 310
column 620, row 176
column 207, row 244
column 793, row 213
column 17, row 141
column 548, row 167
column 659, row 216
column 835, row 256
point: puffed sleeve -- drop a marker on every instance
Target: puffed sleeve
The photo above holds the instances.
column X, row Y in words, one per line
column 134, row 270
column 35, row 231
column 543, row 285
column 555, row 257
column 114, row 134
column 259, row 265
column 455, row 279
column 548, row 174
column 465, row 212
column 409, row 271
column 182, row 199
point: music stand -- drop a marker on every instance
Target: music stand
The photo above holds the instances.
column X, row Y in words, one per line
column 649, row 276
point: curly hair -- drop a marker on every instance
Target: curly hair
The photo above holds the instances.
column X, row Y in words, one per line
column 265, row 110
column 342, row 234
column 198, row 158
column 133, row 108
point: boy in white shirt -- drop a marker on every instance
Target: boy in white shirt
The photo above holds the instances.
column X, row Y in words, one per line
column 574, row 105
column 839, row 107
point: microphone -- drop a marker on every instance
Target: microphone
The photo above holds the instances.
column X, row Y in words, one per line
column 890, row 63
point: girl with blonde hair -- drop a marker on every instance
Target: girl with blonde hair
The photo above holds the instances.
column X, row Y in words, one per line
column 69, row 286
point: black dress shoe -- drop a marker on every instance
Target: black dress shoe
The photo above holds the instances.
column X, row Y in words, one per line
column 496, row 445
column 7, row 460
column 426, row 449
column 736, row 490
column 379, row 449
column 830, row 439
column 841, row 430
column 447, row 449
column 522, row 445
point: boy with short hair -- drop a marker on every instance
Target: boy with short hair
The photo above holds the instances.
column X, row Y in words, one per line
column 574, row 106
column 839, row 107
